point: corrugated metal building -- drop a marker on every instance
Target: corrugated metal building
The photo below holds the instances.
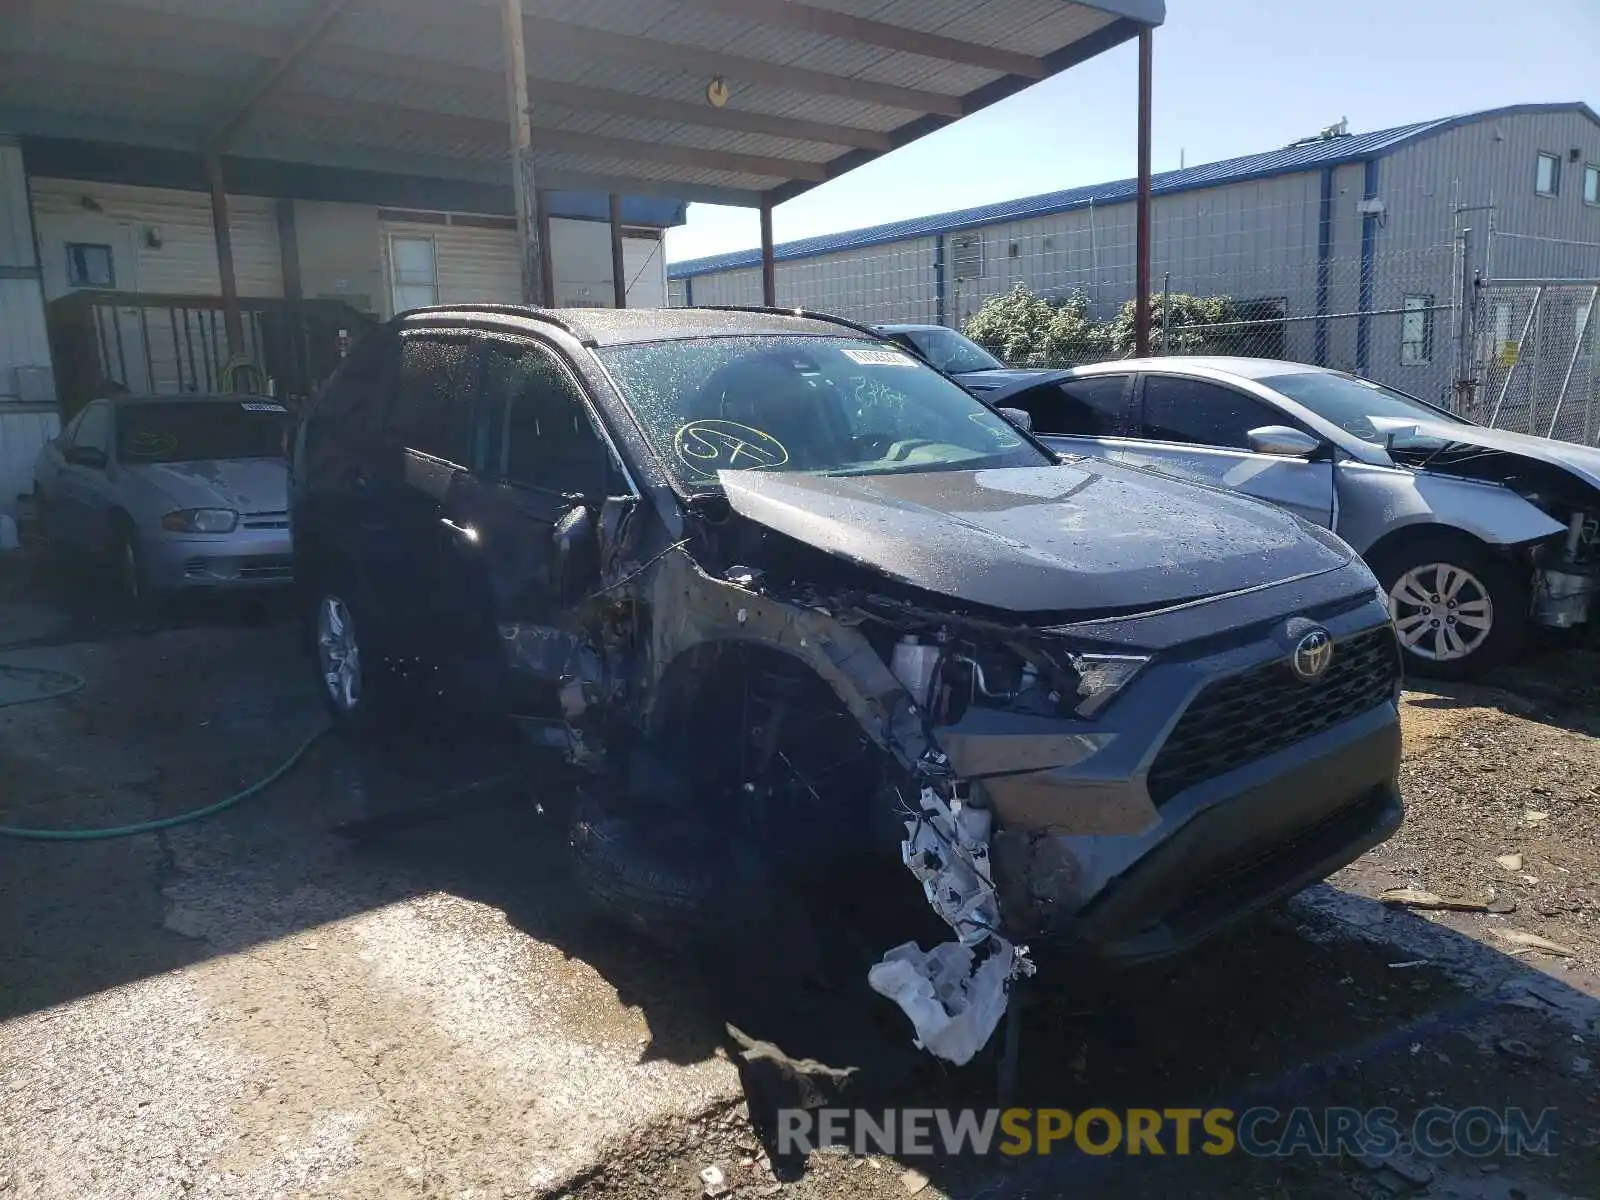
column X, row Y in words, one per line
column 1354, row 240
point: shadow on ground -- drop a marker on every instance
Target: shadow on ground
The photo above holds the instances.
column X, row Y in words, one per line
column 1282, row 1012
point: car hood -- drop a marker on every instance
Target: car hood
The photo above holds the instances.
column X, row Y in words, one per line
column 246, row 485
column 1582, row 461
column 1009, row 379
column 1011, row 383
column 1070, row 538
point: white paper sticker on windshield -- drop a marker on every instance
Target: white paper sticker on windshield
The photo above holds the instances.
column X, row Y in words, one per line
column 256, row 406
column 880, row 358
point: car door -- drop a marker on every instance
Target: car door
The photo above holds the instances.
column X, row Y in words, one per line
column 539, row 460
column 1198, row 429
column 1091, row 415
column 409, row 545
column 81, row 500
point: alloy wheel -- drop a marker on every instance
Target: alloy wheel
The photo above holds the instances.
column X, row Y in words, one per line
column 339, row 654
column 1441, row 612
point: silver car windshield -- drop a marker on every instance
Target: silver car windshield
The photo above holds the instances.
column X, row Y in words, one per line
column 838, row 406
column 1350, row 402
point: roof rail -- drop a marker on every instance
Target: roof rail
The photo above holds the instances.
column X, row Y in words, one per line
column 806, row 313
column 548, row 316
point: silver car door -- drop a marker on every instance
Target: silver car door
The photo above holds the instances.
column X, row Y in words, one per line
column 1089, row 415
column 1197, row 429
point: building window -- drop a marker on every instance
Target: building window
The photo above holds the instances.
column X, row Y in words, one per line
column 89, row 266
column 1416, row 331
column 1547, row 180
column 415, row 268
column 1591, row 184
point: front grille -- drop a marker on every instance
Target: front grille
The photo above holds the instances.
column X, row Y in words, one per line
column 1248, row 716
column 265, row 520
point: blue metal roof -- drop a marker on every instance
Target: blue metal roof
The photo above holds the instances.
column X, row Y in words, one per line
column 1357, row 147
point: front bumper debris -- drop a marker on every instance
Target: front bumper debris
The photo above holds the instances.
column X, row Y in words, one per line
column 956, row 993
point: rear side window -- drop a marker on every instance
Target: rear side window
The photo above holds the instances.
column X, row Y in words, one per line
column 533, row 427
column 1202, row 413
column 433, row 410
column 1096, row 406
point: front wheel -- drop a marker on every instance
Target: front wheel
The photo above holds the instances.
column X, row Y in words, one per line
column 354, row 688
column 1458, row 608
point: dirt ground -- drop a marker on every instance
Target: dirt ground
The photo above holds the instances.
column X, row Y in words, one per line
column 372, row 980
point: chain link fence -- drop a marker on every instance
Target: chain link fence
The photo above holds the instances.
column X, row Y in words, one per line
column 1384, row 291
column 1537, row 358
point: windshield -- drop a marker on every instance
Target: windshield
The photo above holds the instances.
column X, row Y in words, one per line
column 1349, row 402
column 192, row 431
column 835, row 406
column 952, row 352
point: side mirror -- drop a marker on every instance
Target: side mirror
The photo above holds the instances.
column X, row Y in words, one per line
column 1020, row 417
column 1283, row 441
column 577, row 554
column 86, row 456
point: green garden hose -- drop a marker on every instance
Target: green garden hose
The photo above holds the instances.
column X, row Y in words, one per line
column 70, row 683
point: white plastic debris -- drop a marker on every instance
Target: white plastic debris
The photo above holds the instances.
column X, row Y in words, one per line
column 713, row 1183
column 956, row 993
column 953, row 1007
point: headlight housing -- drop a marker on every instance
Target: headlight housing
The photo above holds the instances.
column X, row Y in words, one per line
column 1048, row 679
column 201, row 520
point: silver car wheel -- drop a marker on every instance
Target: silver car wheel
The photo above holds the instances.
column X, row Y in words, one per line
column 1441, row 612
column 339, row 654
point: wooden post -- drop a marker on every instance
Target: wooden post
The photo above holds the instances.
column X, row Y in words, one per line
column 233, row 321
column 1141, row 293
column 530, row 228
column 547, row 266
column 769, row 267
column 619, row 267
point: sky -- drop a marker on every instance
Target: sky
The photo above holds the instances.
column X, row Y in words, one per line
column 1231, row 77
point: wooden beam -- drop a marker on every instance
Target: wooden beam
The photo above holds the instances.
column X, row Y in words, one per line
column 533, row 245
column 232, row 319
column 619, row 269
column 547, row 265
column 578, row 39
column 310, row 32
column 790, row 14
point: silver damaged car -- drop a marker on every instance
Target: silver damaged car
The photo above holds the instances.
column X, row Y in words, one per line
column 1475, row 534
column 180, row 492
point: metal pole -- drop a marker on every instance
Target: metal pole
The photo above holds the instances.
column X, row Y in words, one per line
column 1141, row 285
column 1466, row 328
column 769, row 266
column 529, row 226
column 233, row 323
column 1166, row 310
column 619, row 270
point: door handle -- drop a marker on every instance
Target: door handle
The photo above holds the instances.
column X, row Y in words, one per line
column 465, row 532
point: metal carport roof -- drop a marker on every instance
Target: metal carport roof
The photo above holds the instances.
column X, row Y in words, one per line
column 617, row 88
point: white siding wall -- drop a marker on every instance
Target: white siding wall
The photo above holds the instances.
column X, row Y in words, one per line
column 186, row 260
column 478, row 265
column 24, row 348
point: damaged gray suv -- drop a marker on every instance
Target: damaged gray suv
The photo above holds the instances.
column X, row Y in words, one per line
column 857, row 614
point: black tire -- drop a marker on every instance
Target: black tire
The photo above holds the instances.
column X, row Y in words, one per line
column 663, row 873
column 1443, row 560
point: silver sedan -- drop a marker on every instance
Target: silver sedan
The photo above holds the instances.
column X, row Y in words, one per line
column 1476, row 534
column 181, row 492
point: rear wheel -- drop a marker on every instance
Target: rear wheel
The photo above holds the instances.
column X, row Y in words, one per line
column 1459, row 609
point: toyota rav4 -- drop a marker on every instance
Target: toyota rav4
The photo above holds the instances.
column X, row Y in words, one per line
column 856, row 611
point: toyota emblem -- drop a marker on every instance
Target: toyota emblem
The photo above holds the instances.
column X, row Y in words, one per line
column 1312, row 654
